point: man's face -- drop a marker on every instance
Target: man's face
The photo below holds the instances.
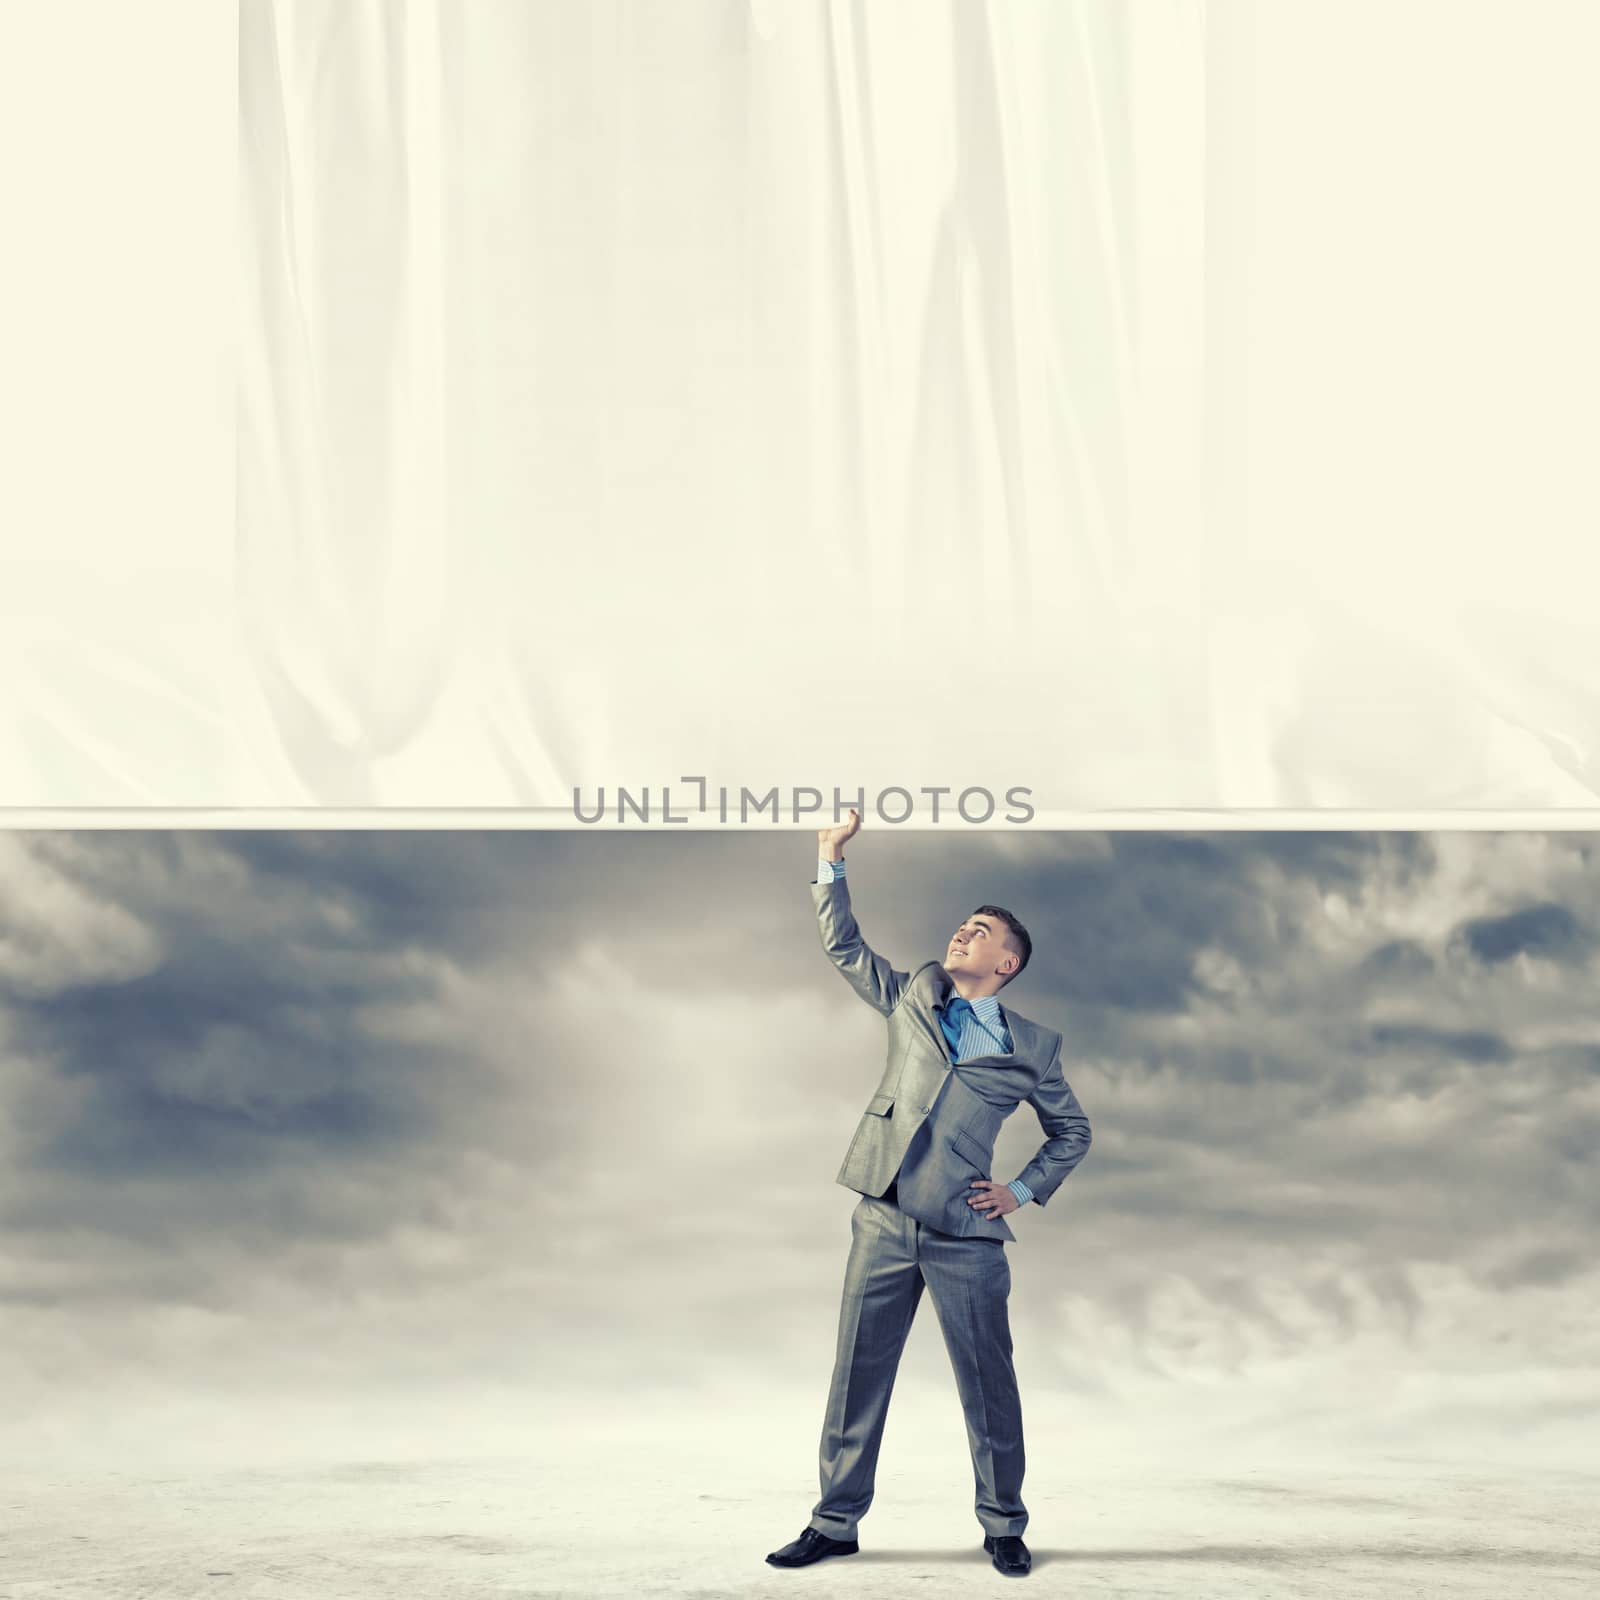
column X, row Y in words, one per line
column 979, row 949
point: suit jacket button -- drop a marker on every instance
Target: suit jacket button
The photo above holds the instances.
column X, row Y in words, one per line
column 922, row 1108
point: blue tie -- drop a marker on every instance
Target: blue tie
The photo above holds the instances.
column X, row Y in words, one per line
column 955, row 1009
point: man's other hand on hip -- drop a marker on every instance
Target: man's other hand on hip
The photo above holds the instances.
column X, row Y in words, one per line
column 993, row 1199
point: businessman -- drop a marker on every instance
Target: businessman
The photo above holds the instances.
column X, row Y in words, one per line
column 959, row 1063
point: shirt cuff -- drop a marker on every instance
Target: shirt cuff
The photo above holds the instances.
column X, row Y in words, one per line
column 1023, row 1193
column 827, row 871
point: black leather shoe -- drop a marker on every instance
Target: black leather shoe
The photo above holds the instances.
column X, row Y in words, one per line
column 1010, row 1554
column 811, row 1546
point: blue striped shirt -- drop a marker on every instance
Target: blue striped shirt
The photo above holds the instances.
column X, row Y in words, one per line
column 982, row 1031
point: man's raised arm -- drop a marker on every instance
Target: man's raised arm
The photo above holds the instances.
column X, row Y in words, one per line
column 879, row 984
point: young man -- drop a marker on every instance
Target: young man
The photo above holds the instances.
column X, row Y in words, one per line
column 958, row 1065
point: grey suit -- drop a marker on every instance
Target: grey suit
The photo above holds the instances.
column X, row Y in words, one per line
column 927, row 1132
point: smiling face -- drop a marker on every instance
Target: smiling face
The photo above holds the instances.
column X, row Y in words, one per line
column 981, row 955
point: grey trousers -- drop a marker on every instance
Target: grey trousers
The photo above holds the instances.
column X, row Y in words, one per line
column 891, row 1257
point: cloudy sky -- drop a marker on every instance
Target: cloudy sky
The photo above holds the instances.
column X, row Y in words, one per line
column 296, row 1118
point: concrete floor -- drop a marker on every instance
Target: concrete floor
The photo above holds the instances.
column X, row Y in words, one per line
column 653, row 1511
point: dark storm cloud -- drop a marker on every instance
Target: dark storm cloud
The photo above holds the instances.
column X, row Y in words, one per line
column 1342, row 860
column 1454, row 1045
column 478, row 897
column 1546, row 930
column 1121, row 928
column 244, row 1045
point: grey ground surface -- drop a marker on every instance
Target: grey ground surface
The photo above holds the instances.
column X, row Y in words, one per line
column 670, row 1510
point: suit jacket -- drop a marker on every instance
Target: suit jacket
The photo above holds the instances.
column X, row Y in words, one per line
column 932, row 1124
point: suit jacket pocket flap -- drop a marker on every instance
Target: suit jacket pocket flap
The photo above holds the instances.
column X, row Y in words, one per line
column 880, row 1104
column 972, row 1150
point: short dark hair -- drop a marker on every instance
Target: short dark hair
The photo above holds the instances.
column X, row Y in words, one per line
column 1016, row 935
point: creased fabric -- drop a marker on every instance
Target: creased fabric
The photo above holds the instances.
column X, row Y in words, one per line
column 582, row 344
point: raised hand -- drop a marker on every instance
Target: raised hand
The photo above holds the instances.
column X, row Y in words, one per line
column 831, row 841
